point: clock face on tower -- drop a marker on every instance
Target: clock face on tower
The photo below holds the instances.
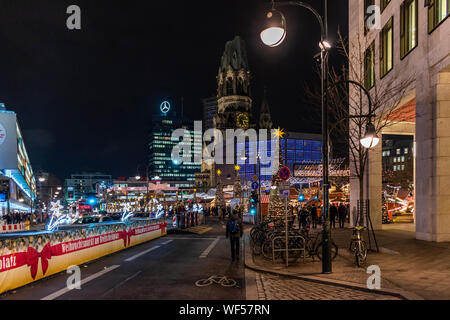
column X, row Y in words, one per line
column 242, row 121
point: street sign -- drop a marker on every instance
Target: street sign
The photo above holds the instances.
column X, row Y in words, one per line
column 255, row 185
column 284, row 173
column 284, row 185
column 284, row 193
column 255, row 177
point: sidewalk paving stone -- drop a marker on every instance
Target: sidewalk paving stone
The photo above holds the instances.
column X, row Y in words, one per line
column 416, row 269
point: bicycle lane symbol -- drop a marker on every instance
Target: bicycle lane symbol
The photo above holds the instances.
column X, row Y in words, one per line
column 224, row 281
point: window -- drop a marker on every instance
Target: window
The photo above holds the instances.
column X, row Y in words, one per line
column 384, row 4
column 386, row 48
column 369, row 66
column 408, row 27
column 403, row 167
column 398, row 151
column 395, row 168
column 438, row 10
column 403, row 158
column 406, row 151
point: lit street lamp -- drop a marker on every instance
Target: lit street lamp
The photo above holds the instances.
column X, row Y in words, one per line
column 370, row 139
column 273, row 35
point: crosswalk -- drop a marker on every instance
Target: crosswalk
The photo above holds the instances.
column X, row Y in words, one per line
column 199, row 229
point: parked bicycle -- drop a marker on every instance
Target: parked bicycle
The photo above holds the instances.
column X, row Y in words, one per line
column 314, row 244
column 358, row 246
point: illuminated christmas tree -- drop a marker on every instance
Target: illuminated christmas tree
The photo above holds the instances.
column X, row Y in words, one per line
column 237, row 188
column 219, row 197
column 276, row 204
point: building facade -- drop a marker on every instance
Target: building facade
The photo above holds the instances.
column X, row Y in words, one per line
column 398, row 160
column 80, row 186
column 295, row 149
column 210, row 107
column 161, row 163
column 16, row 174
column 410, row 42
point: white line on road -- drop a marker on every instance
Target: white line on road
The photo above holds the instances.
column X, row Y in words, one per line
column 141, row 254
column 86, row 280
column 168, row 241
column 121, row 283
column 210, row 247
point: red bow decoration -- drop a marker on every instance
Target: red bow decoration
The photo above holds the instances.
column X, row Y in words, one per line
column 33, row 259
column 126, row 236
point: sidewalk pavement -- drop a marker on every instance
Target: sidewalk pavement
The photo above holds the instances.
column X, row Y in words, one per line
column 410, row 268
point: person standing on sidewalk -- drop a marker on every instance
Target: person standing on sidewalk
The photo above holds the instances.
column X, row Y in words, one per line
column 234, row 230
column 333, row 214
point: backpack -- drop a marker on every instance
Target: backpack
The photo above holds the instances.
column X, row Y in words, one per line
column 233, row 226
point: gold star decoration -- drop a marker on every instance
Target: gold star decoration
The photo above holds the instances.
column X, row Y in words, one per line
column 237, row 167
column 279, row 132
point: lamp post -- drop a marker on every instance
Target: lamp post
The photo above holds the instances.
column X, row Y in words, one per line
column 273, row 35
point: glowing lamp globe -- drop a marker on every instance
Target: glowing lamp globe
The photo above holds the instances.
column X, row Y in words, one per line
column 274, row 30
column 370, row 139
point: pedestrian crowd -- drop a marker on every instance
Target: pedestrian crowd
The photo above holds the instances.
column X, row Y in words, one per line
column 309, row 215
column 19, row 217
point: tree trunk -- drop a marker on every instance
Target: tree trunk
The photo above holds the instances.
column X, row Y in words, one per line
column 361, row 200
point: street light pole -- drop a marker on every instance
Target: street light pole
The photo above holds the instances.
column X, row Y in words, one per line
column 274, row 35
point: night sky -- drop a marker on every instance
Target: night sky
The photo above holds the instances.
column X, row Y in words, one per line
column 84, row 98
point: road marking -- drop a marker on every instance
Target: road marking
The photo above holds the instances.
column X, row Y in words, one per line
column 86, row 280
column 166, row 242
column 141, row 254
column 121, row 283
column 210, row 247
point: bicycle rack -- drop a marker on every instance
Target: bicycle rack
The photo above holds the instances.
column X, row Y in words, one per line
column 289, row 249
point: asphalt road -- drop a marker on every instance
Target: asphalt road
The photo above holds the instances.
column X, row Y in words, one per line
column 164, row 268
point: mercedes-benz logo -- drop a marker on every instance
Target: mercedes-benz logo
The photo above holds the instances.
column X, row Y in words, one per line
column 165, row 107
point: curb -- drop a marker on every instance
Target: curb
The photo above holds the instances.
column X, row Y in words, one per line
column 249, row 263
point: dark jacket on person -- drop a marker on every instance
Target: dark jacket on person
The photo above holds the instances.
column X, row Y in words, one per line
column 238, row 234
column 342, row 211
column 333, row 212
column 314, row 212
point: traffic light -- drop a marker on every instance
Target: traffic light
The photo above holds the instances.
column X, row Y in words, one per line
column 254, row 197
column 253, row 202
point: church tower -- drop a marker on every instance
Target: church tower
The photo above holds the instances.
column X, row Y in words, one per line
column 265, row 121
column 233, row 88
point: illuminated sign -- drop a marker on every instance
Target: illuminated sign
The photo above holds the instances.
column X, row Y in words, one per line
column 165, row 107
